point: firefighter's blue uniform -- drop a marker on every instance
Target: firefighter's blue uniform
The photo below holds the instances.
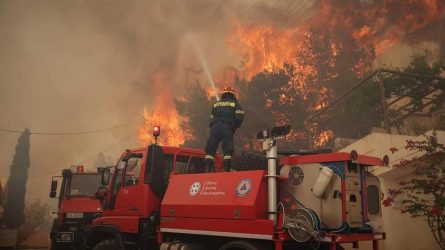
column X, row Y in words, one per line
column 227, row 115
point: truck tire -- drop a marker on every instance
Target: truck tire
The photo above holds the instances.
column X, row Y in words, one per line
column 108, row 244
column 244, row 245
column 326, row 247
column 54, row 245
column 60, row 246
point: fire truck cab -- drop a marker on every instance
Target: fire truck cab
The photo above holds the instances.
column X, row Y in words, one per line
column 77, row 206
column 133, row 199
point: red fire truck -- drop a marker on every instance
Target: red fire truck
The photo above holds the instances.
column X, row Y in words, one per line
column 159, row 198
column 77, row 206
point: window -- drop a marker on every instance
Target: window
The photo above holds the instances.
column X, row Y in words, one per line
column 117, row 180
column 132, row 172
column 196, row 165
column 372, row 194
column 181, row 163
column 352, row 198
column 84, row 184
column 187, row 164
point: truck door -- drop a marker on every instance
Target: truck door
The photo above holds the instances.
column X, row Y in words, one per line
column 125, row 191
column 116, row 184
column 353, row 195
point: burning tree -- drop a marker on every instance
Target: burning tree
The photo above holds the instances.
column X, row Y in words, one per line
column 196, row 107
column 263, row 100
column 163, row 112
column 415, row 90
column 423, row 195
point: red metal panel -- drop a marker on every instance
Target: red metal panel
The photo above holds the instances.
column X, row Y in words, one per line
column 126, row 224
column 231, row 195
column 81, row 204
column 331, row 157
column 221, row 227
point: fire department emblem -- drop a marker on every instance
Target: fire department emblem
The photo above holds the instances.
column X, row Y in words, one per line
column 194, row 188
column 243, row 188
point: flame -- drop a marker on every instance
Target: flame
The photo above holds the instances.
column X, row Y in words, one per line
column 358, row 31
column 163, row 113
column 262, row 48
column 211, row 92
column 322, row 138
column 377, row 27
column 341, row 36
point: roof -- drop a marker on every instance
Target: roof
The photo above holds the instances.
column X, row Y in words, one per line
column 173, row 150
column 331, row 157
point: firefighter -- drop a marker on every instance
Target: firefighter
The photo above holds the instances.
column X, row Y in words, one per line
column 227, row 116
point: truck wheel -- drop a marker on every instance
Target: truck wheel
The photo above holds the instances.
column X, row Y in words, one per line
column 326, row 247
column 54, row 245
column 243, row 245
column 108, row 244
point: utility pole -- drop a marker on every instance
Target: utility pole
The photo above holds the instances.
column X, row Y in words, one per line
column 386, row 121
column 191, row 69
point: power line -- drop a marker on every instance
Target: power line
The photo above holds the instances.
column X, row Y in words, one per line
column 279, row 22
column 107, row 149
column 87, row 159
column 72, row 133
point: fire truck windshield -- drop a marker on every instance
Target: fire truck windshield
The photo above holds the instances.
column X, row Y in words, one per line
column 84, row 184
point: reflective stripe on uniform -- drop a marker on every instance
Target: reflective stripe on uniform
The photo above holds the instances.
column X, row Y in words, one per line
column 224, row 104
column 227, row 157
column 209, row 157
column 239, row 112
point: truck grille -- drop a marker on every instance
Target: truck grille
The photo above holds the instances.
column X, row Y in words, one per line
column 87, row 219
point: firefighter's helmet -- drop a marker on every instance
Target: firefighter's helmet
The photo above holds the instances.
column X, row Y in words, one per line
column 227, row 90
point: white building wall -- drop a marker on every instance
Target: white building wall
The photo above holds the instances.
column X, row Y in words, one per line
column 403, row 231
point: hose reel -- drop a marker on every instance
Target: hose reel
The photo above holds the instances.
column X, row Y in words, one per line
column 303, row 224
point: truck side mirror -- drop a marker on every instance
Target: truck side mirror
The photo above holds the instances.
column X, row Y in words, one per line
column 101, row 195
column 156, row 170
column 105, row 177
column 53, row 192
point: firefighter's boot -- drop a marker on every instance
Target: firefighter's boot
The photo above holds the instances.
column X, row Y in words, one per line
column 227, row 164
column 209, row 165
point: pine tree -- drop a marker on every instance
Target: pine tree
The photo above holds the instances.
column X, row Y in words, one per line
column 14, row 208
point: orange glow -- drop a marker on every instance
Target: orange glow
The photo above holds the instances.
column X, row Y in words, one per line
column 345, row 27
column 322, row 138
column 211, row 92
column 163, row 113
column 262, row 48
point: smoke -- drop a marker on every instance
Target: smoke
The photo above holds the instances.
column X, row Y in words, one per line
column 85, row 65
